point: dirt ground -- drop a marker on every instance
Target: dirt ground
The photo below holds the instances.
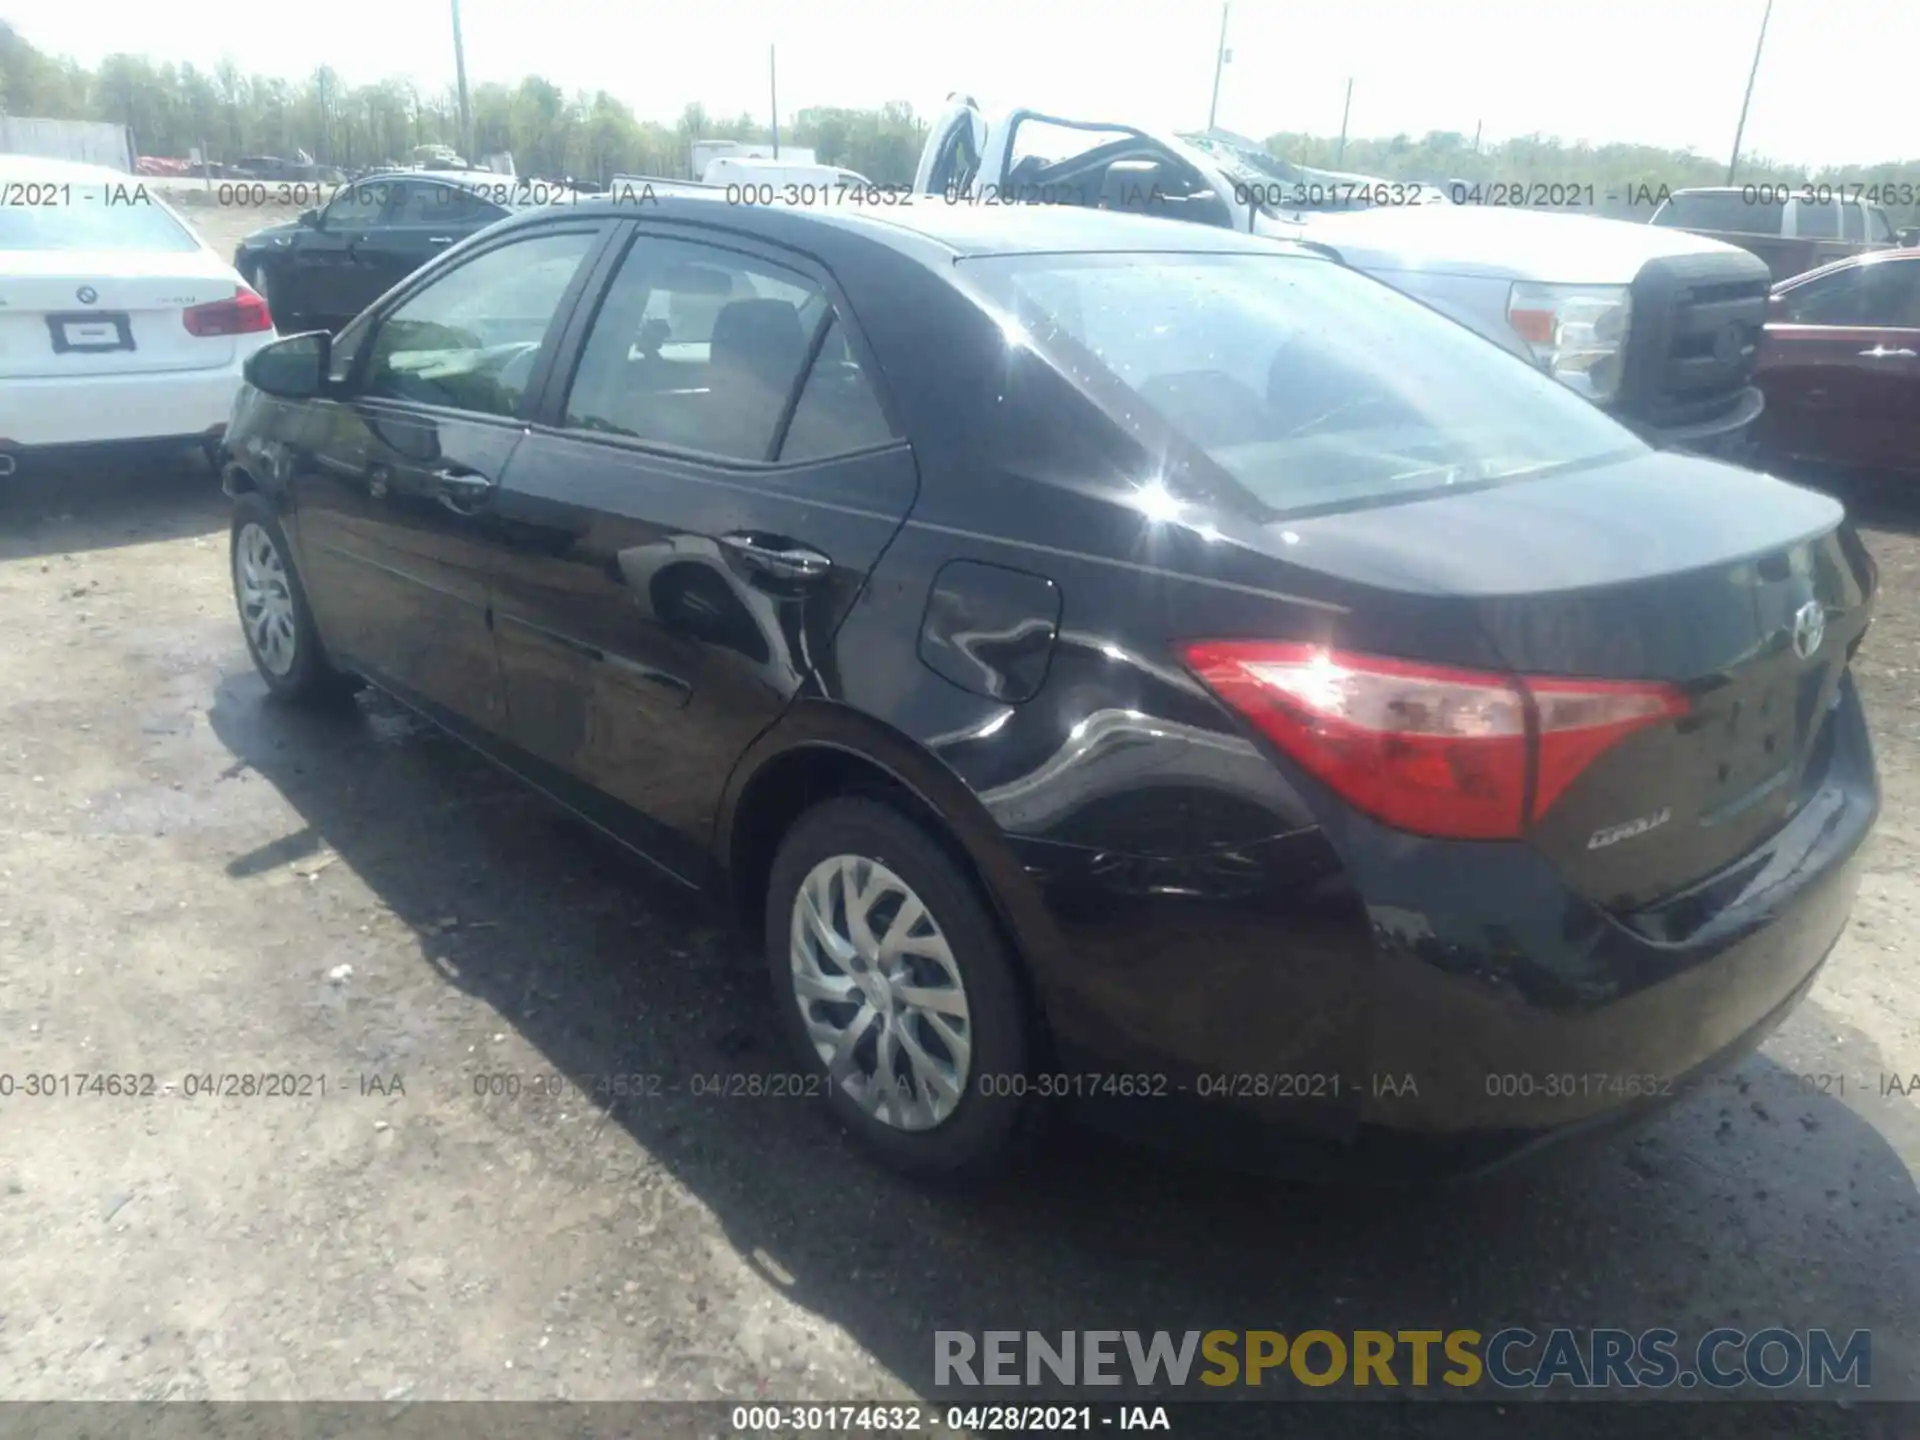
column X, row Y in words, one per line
column 196, row 883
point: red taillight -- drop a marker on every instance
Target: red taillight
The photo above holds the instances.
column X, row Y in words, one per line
column 245, row 314
column 1426, row 748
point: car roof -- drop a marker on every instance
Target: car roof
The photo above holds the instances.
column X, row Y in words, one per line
column 1850, row 262
column 74, row 172
column 926, row 224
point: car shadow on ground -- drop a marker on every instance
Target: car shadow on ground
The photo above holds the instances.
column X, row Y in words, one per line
column 87, row 505
column 1762, row 1202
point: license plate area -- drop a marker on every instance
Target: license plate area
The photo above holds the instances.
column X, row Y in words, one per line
column 90, row 332
column 1759, row 741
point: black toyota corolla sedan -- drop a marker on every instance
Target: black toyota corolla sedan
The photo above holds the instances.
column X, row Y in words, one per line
column 1107, row 664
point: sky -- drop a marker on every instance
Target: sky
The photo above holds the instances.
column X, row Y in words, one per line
column 1836, row 82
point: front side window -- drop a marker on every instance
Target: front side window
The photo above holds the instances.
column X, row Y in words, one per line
column 432, row 205
column 1879, row 228
column 696, row 348
column 1310, row 385
column 469, row 340
column 358, row 206
column 1885, row 294
column 1730, row 211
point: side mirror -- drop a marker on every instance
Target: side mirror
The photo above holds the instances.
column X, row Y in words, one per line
column 292, row 369
column 310, row 219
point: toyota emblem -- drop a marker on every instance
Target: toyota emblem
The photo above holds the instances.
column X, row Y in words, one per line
column 86, row 295
column 1730, row 343
column 1809, row 629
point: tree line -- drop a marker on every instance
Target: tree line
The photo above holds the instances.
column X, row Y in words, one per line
column 173, row 109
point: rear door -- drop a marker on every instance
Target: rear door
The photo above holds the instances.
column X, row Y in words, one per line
column 422, row 218
column 1840, row 366
column 688, row 525
column 96, row 283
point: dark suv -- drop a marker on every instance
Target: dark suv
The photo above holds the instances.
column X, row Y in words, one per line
column 1149, row 669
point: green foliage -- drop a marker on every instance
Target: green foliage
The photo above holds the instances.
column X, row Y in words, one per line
column 173, row 109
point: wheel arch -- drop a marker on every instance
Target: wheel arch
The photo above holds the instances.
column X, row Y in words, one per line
column 820, row 750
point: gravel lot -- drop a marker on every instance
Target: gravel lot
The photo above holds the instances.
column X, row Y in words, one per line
column 195, row 882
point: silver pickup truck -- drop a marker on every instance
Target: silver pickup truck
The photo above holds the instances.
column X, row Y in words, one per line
column 1659, row 327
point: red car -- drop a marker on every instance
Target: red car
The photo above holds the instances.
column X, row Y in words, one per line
column 1840, row 365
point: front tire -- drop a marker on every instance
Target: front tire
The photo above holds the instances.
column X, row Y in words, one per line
column 274, row 615
column 897, row 991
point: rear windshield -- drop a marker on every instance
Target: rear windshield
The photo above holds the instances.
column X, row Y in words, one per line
column 58, row 216
column 1309, row 384
column 1734, row 211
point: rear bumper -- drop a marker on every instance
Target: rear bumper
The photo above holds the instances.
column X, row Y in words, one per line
column 103, row 409
column 1472, row 1011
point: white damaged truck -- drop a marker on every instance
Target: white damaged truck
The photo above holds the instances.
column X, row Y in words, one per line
column 1656, row 326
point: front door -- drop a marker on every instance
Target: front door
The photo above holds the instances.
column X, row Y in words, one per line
column 687, row 528
column 393, row 502
column 1840, row 365
column 322, row 270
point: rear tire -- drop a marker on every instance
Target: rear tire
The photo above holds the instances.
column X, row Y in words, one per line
column 882, row 953
column 275, row 618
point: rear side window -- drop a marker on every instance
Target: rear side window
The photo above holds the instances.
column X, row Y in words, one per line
column 837, row 412
column 59, row 216
column 1727, row 210
column 1853, row 220
column 699, row 348
column 1816, row 222
column 470, row 340
column 1308, row 384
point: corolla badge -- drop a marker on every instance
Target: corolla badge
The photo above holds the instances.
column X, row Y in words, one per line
column 1809, row 629
column 86, row 295
column 1614, row 834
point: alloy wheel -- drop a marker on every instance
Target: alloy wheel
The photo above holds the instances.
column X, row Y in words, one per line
column 266, row 599
column 879, row 992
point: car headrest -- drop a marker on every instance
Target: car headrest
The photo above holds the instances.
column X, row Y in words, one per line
column 761, row 338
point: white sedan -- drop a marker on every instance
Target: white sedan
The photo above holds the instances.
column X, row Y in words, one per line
column 117, row 322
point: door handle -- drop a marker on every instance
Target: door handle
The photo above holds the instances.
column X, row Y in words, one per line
column 1880, row 352
column 462, row 491
column 439, row 240
column 772, row 555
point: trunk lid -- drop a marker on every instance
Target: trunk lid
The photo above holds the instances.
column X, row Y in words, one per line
column 108, row 312
column 1748, row 594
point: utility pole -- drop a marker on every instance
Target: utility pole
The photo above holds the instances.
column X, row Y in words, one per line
column 1220, row 57
column 1741, row 128
column 1345, row 111
column 1476, row 135
column 460, row 78
column 773, row 98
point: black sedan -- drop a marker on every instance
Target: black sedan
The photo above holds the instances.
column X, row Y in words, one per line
column 1159, row 673
column 335, row 260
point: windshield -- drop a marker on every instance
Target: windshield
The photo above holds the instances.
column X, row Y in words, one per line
column 61, row 216
column 1263, row 179
column 1309, row 384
